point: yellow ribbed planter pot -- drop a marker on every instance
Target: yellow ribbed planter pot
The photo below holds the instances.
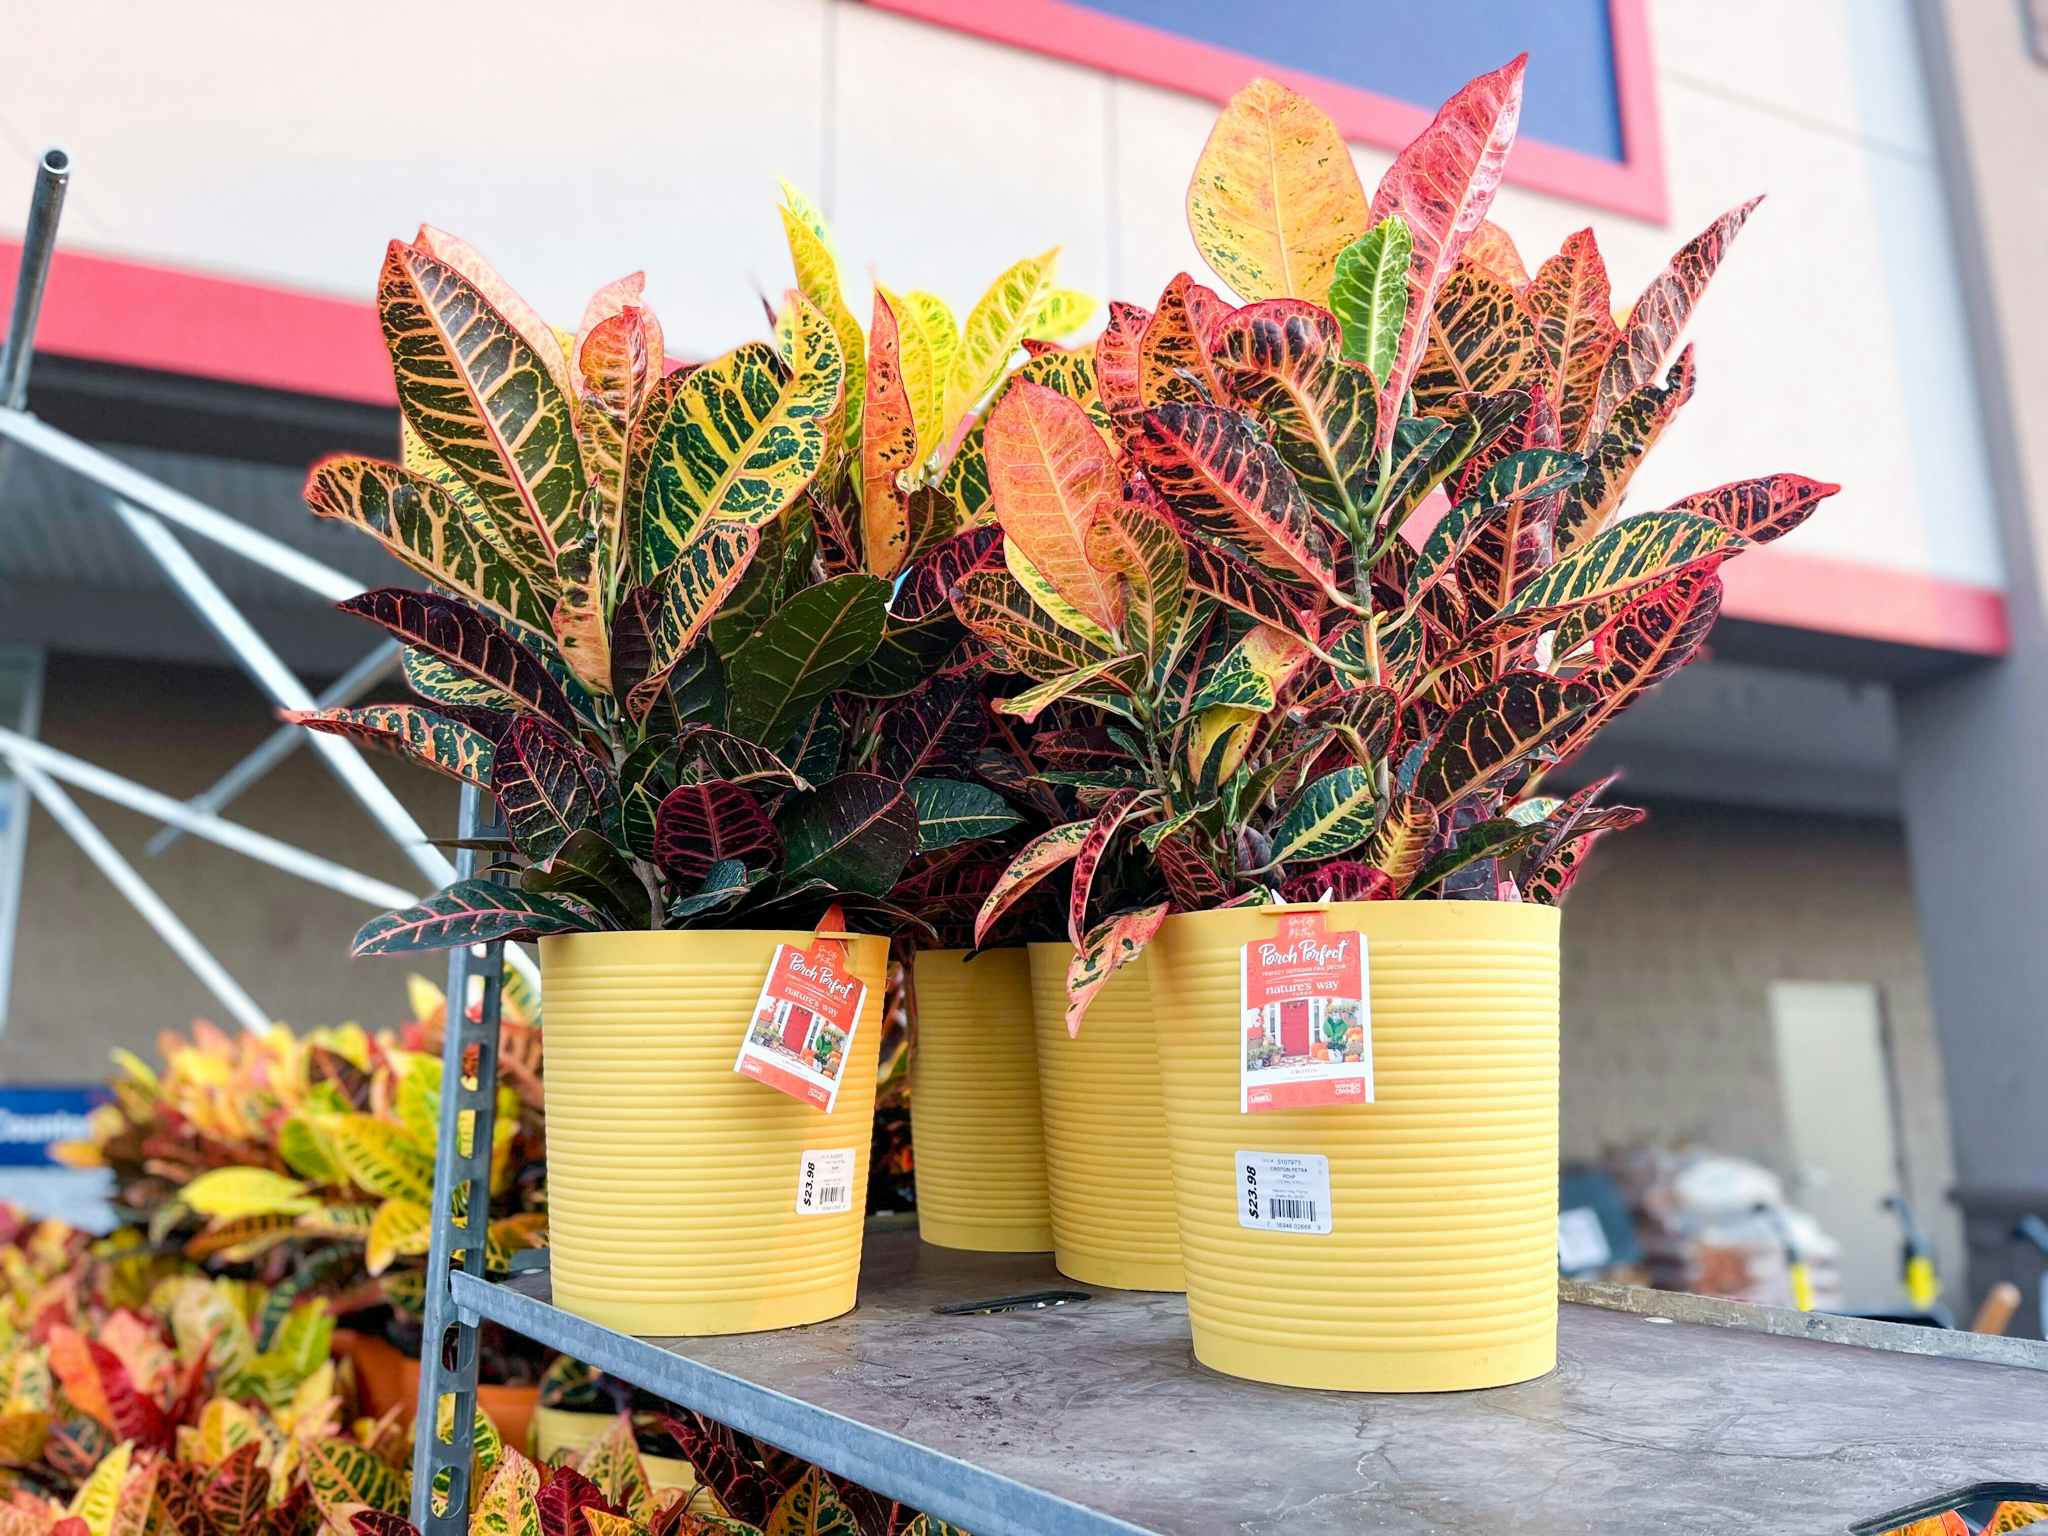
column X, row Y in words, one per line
column 1106, row 1162
column 672, row 1180
column 563, row 1431
column 974, row 1118
column 1440, row 1272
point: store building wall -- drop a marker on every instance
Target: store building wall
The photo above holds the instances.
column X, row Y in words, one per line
column 1671, row 942
column 90, row 975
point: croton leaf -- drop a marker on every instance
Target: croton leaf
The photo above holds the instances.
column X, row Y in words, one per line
column 1403, row 839
column 1222, row 574
column 1112, row 673
column 1060, row 313
column 1589, row 507
column 1518, row 539
column 426, row 738
column 422, row 525
column 855, row 834
column 805, row 651
column 1369, row 294
column 1660, row 314
column 1497, row 837
column 1548, row 883
column 471, row 912
column 1492, row 250
column 700, row 825
column 723, row 884
column 471, row 642
column 486, row 402
column 618, row 363
column 1763, row 509
column 532, row 326
column 703, row 752
column 1282, row 361
column 1191, row 874
column 344, row 1474
column 236, row 1492
column 1116, row 358
column 1338, row 880
column 780, row 566
column 1174, row 360
column 940, row 726
column 1602, row 575
column 440, row 683
column 548, row 786
column 1479, row 341
column 646, row 775
column 1495, row 731
column 1034, row 861
column 588, row 868
column 993, row 331
column 1104, row 950
column 1651, row 638
column 743, row 436
column 1138, row 547
column 953, row 811
column 1573, row 307
column 817, row 278
column 1218, row 474
column 1095, row 846
column 1253, row 672
column 965, row 481
column 888, row 448
column 816, row 746
column 656, row 626
column 1053, row 477
column 1333, row 815
column 928, row 338
column 579, row 617
column 1275, row 197
column 1441, row 186
column 995, row 606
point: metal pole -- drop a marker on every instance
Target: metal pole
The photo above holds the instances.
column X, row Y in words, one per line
column 256, row 657
column 281, row 743
column 17, row 748
column 175, row 506
column 53, row 176
column 65, row 812
column 448, row 1341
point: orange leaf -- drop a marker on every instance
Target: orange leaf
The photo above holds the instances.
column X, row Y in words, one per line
column 1053, row 477
column 888, row 446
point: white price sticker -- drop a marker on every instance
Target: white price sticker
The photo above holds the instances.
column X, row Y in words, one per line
column 1283, row 1191
column 824, row 1182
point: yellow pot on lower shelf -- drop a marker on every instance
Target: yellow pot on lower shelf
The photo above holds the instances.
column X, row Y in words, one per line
column 1106, row 1162
column 1440, row 1271
column 560, row 1431
column 673, row 1180
column 978, row 1146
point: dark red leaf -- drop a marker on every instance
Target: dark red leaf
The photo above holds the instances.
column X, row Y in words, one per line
column 699, row 824
column 473, row 642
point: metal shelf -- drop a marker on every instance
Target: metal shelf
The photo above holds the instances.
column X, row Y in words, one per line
column 1093, row 1417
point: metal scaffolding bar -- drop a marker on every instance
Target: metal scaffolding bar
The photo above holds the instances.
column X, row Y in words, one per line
column 281, row 743
column 66, row 813
column 462, row 1170
column 38, row 244
column 18, row 749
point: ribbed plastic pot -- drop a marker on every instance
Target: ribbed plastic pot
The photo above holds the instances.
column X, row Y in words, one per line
column 672, row 1180
column 1440, row 1271
column 974, row 1117
column 558, row 1432
column 1107, row 1168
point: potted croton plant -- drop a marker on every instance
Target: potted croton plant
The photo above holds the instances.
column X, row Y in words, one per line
column 1336, row 578
column 659, row 631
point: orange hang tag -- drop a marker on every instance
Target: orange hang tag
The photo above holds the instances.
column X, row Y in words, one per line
column 1307, row 1036
column 801, row 1032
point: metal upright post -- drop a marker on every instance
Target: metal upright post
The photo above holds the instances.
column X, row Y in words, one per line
column 462, row 1172
column 38, row 242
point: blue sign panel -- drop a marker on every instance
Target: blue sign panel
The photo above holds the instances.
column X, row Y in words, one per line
column 32, row 1118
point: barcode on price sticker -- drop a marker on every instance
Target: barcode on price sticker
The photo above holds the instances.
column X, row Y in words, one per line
column 824, row 1182
column 1283, row 1191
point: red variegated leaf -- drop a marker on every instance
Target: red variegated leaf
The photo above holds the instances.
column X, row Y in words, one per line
column 1442, row 185
column 1660, row 314
column 1106, row 948
column 1490, row 737
column 467, row 640
column 1053, row 478
column 1549, row 882
column 1116, row 358
column 1037, row 859
column 1492, row 250
column 938, row 728
column 1517, row 541
column 995, row 606
column 888, row 447
column 1589, row 507
column 1094, row 847
column 1402, row 842
column 237, row 1491
column 561, row 1502
column 1340, row 880
column 700, row 824
column 926, row 588
column 531, row 325
column 1283, row 359
column 1173, row 354
column 1191, row 876
column 136, row 1415
column 420, row 735
column 1478, row 341
column 548, row 786
column 1221, row 573
column 1651, row 638
column 618, row 363
column 615, row 298
column 1762, row 509
column 1216, row 473
column 1573, row 308
column 1137, row 545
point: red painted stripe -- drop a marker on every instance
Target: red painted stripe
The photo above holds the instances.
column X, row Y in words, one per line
column 1136, row 51
column 143, row 316
column 1869, row 602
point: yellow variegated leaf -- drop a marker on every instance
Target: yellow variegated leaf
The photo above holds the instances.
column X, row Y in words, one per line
column 507, row 1506
column 399, row 1229
column 812, row 1507
column 380, row 1162
column 995, row 329
column 928, row 339
column 23, row 1433
column 1060, row 313
column 230, row 1193
column 99, row 1494
column 533, row 328
column 612, row 1461
column 817, row 279
column 303, row 1146
column 743, row 436
column 342, row 1474
column 581, row 617
column 603, row 1522
column 135, row 1067
column 1056, row 608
